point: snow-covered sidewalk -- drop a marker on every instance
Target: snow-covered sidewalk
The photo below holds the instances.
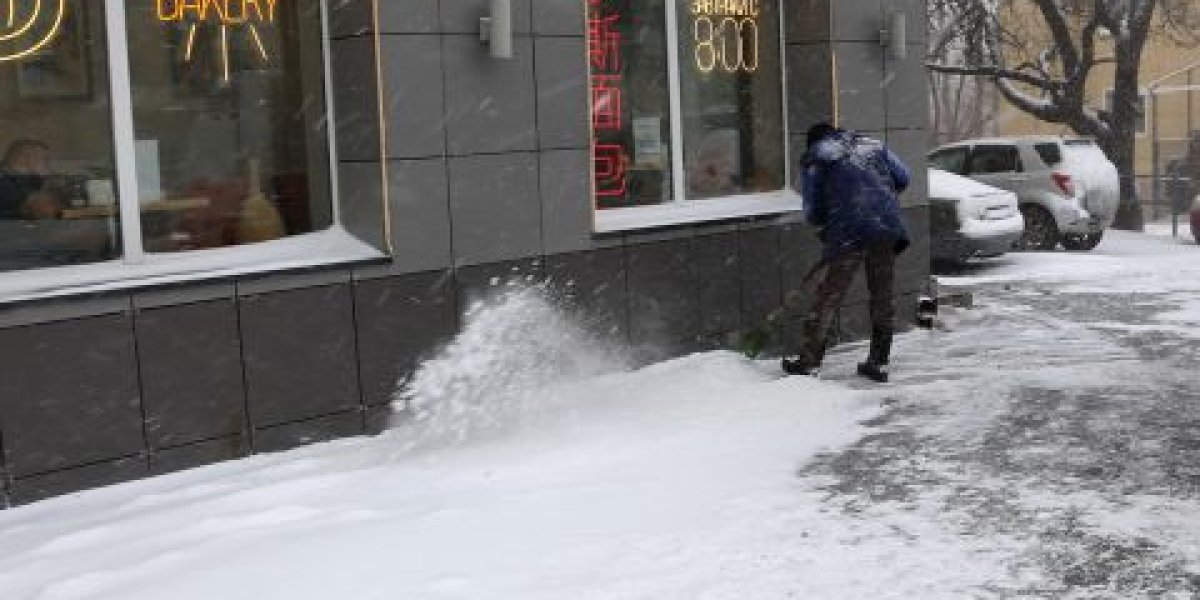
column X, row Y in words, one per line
column 1042, row 444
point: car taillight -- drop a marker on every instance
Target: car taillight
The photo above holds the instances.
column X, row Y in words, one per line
column 1064, row 183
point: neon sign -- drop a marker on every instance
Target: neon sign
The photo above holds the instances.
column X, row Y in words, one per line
column 726, row 36
column 224, row 14
column 609, row 154
column 28, row 26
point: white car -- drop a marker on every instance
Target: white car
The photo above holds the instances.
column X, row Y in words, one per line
column 1069, row 191
column 969, row 219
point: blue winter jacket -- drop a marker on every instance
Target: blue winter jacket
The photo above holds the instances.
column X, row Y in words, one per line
column 850, row 184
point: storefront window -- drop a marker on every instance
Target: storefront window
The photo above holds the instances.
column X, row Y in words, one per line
column 57, row 198
column 216, row 127
column 228, row 110
column 731, row 97
column 686, row 100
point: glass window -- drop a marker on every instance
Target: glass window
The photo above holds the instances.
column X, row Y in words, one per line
column 57, row 193
column 994, row 159
column 631, row 121
column 228, row 110
column 688, row 112
column 1050, row 154
column 731, row 98
column 220, row 139
column 953, row 160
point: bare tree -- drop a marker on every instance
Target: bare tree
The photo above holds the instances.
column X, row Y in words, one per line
column 1040, row 54
column 961, row 105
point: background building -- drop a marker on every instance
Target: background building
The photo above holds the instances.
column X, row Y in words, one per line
column 199, row 264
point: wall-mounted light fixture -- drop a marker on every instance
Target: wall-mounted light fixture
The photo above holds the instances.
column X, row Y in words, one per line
column 496, row 29
column 894, row 35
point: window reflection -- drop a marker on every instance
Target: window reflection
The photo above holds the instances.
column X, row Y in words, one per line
column 731, row 95
column 57, row 191
column 229, row 115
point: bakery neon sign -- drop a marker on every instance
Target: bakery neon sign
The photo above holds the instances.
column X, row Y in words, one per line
column 28, row 26
column 224, row 15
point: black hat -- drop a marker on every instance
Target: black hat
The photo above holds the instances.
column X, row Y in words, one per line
column 819, row 131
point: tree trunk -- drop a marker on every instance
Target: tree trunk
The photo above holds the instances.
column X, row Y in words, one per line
column 1120, row 148
column 1122, row 136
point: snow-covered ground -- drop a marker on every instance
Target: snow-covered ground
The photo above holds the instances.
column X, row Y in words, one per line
column 1043, row 444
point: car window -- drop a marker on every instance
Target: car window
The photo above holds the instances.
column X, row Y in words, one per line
column 1050, row 152
column 994, row 159
column 951, row 159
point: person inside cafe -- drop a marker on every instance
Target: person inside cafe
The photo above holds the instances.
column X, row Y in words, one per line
column 24, row 191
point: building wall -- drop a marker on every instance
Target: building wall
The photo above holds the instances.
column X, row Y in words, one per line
column 488, row 177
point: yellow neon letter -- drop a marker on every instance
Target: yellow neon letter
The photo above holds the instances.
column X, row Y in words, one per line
column 168, row 10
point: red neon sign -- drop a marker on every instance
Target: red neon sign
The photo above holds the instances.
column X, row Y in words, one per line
column 609, row 154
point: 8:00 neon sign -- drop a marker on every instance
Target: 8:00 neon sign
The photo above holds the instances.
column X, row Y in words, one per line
column 726, row 35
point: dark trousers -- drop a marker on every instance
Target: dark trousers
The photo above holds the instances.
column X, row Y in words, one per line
column 879, row 260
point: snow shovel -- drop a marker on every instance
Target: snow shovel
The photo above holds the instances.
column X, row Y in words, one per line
column 754, row 341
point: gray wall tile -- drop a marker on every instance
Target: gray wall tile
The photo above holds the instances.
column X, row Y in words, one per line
column 410, row 16
column 401, row 321
column 860, row 20
column 356, row 99
column 566, row 203
column 378, row 419
column 266, row 283
column 808, row 81
column 462, row 16
column 593, row 287
column 311, row 431
column 199, row 454
column 562, row 87
column 488, row 107
column 558, row 17
column 718, row 265
column 663, row 300
column 860, row 82
column 420, row 199
column 361, row 202
column 296, row 372
column 69, row 395
column 185, row 293
column 191, row 372
column 62, row 309
column 907, row 92
column 40, row 487
column 495, row 208
column 761, row 279
column 911, row 145
column 413, row 95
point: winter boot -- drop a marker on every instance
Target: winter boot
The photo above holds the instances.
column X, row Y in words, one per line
column 876, row 367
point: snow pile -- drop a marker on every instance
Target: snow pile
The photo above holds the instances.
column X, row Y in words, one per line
column 506, row 368
column 544, row 472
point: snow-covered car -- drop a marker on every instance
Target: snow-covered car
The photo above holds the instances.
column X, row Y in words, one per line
column 969, row 219
column 1068, row 189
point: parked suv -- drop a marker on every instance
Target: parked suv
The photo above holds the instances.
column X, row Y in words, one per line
column 1068, row 189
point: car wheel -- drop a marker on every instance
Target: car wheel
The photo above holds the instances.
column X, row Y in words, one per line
column 1082, row 241
column 1041, row 232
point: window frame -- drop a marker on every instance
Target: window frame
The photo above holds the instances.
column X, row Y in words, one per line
column 679, row 210
column 135, row 267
